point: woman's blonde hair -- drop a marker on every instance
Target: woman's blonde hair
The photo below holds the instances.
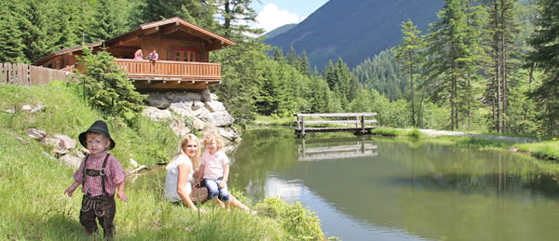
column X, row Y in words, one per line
column 185, row 140
column 214, row 137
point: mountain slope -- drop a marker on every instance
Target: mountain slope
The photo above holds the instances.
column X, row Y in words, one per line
column 355, row 29
column 280, row 30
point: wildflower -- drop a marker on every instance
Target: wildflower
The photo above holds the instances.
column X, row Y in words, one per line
column 554, row 138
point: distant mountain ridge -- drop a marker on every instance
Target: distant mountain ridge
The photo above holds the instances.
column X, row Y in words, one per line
column 280, row 30
column 355, row 29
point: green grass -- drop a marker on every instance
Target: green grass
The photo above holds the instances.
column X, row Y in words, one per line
column 33, row 206
column 545, row 149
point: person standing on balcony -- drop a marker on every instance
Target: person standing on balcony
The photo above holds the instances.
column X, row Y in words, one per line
column 139, row 55
column 153, row 56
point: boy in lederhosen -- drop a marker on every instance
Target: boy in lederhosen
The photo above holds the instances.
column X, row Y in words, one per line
column 99, row 174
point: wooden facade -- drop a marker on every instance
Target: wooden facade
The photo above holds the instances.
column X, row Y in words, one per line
column 183, row 50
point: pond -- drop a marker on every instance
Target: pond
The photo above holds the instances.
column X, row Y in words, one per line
column 367, row 188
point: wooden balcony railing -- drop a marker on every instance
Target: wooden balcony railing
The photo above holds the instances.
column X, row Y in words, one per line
column 171, row 70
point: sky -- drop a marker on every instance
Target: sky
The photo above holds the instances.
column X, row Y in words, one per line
column 276, row 13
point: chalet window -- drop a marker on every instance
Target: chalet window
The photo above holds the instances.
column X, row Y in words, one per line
column 182, row 54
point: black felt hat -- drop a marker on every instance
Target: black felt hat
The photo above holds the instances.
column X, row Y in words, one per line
column 97, row 127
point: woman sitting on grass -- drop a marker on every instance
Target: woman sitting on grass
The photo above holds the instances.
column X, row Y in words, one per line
column 180, row 173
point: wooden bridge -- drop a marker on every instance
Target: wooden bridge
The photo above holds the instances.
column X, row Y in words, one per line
column 358, row 123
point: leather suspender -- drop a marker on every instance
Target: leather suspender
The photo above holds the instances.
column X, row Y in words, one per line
column 101, row 172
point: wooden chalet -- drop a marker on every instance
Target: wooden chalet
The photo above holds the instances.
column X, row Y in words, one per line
column 183, row 50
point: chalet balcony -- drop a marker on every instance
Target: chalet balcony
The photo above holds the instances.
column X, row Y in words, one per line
column 164, row 74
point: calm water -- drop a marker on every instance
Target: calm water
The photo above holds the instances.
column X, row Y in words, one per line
column 365, row 188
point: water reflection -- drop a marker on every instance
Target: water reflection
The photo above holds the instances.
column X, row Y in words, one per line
column 339, row 149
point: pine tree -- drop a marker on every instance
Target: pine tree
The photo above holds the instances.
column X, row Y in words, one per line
column 503, row 26
column 408, row 54
column 452, row 53
column 236, row 16
column 39, row 29
column 292, row 57
column 545, row 57
column 109, row 22
column 303, row 64
column 278, row 55
column 11, row 46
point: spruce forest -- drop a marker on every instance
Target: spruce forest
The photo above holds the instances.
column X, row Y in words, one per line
column 486, row 65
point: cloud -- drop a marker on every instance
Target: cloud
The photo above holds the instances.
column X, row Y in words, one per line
column 271, row 17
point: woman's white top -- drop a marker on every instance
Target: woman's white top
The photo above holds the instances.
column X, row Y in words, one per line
column 173, row 176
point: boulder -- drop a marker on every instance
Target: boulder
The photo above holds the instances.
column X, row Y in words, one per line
column 228, row 134
column 196, row 105
column 71, row 161
column 202, row 114
column 198, row 124
column 38, row 108
column 213, row 97
column 66, row 143
column 26, row 107
column 157, row 114
column 182, row 108
column 220, row 118
column 215, row 106
column 49, row 141
column 158, row 100
column 206, row 95
column 179, row 128
column 36, row 133
column 184, row 97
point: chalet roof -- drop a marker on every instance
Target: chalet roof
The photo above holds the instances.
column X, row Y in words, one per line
column 167, row 26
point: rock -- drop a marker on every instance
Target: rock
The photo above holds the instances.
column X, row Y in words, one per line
column 59, row 152
column 54, row 142
column 230, row 135
column 198, row 105
column 71, row 161
column 220, row 118
column 215, row 106
column 182, row 108
column 66, row 143
column 38, row 108
column 206, row 95
column 178, row 127
column 184, row 97
column 158, row 100
column 10, row 111
column 198, row 124
column 26, row 107
column 213, row 97
column 36, row 133
column 202, row 114
column 157, row 114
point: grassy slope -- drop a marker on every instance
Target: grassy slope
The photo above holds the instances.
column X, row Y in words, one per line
column 32, row 184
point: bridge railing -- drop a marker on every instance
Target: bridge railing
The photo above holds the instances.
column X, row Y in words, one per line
column 358, row 122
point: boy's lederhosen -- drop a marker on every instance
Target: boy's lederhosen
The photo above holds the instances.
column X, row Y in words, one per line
column 102, row 207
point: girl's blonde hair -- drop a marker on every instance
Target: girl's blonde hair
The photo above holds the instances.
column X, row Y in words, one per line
column 214, row 137
column 196, row 158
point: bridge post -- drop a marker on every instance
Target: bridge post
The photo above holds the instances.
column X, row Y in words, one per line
column 362, row 124
column 302, row 126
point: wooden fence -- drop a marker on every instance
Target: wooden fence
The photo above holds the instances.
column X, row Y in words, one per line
column 27, row 75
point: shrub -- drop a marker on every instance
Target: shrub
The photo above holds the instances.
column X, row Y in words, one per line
column 107, row 88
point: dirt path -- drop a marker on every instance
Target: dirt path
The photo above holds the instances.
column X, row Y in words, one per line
column 435, row 133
